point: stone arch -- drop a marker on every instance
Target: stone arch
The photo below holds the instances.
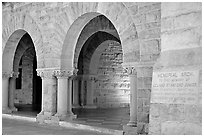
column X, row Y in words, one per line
column 101, row 24
column 117, row 13
column 12, row 33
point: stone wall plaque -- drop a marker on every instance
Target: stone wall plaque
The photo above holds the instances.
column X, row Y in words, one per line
column 175, row 87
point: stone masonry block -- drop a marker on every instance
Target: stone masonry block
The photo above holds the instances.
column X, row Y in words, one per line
column 140, row 104
column 144, row 82
column 133, row 9
column 133, row 56
column 176, row 112
column 163, row 112
column 192, row 19
column 129, row 4
column 150, row 34
column 149, row 57
column 180, row 128
column 139, row 18
column 178, row 8
column 150, row 7
column 144, row 72
column 189, row 38
column 152, row 25
column 193, row 113
column 150, row 47
column 129, row 34
column 154, row 110
column 143, row 117
column 144, row 93
column 153, row 16
column 141, row 127
column 154, row 126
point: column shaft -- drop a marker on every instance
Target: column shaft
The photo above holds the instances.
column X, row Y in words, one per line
column 76, row 93
column 133, row 101
column 12, row 88
column 5, row 89
column 70, row 114
column 82, row 93
column 62, row 96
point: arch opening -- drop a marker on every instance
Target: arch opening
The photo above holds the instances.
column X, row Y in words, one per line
column 27, row 92
column 101, row 82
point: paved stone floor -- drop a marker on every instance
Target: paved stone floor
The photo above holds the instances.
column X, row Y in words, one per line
column 21, row 127
column 111, row 118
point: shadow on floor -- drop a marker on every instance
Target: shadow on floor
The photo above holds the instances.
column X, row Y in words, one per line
column 112, row 118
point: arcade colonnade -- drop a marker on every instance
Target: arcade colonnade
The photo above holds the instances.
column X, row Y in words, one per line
column 155, row 37
column 58, row 74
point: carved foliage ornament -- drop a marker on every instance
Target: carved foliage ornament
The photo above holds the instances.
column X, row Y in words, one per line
column 129, row 71
column 10, row 74
column 65, row 73
column 7, row 74
column 45, row 73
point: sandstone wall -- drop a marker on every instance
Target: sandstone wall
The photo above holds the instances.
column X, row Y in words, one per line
column 176, row 102
column 112, row 86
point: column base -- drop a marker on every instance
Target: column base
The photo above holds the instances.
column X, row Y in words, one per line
column 128, row 130
column 76, row 106
column 91, row 106
column 66, row 117
column 14, row 109
column 46, row 118
column 132, row 124
column 6, row 110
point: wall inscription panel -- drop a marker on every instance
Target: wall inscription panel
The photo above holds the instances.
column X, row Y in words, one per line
column 176, row 87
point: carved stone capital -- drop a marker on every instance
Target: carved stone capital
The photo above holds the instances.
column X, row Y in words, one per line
column 63, row 73
column 6, row 75
column 45, row 74
column 75, row 72
column 129, row 71
column 15, row 74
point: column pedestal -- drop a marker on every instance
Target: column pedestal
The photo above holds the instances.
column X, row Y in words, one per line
column 131, row 127
column 64, row 96
column 48, row 97
column 11, row 93
column 5, row 92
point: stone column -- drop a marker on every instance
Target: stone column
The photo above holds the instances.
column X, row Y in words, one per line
column 5, row 92
column 82, row 92
column 131, row 127
column 133, row 97
column 76, row 93
column 90, row 91
column 62, row 94
column 49, row 84
column 69, row 100
column 12, row 88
